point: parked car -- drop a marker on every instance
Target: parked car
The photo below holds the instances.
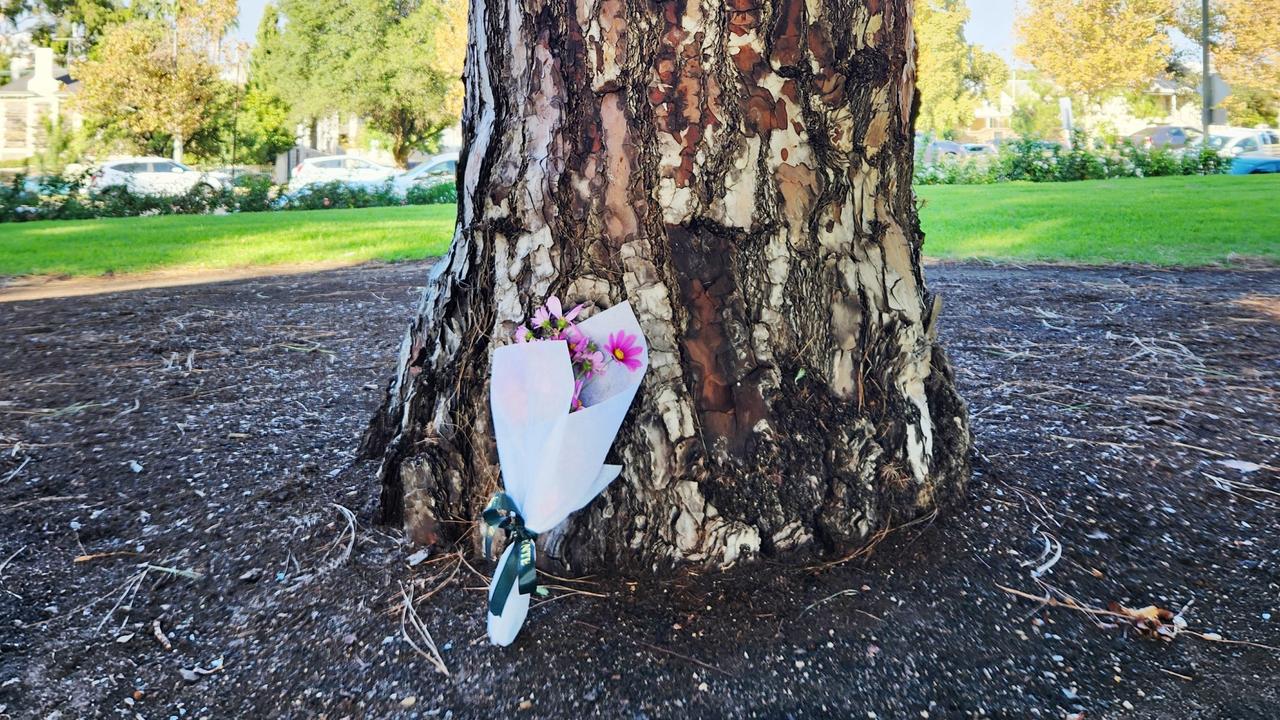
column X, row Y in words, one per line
column 432, row 171
column 1256, row 163
column 986, row 150
column 1171, row 136
column 228, row 175
column 339, row 168
column 150, row 176
column 1229, row 141
column 940, row 150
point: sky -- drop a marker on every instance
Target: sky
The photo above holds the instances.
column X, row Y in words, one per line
column 990, row 23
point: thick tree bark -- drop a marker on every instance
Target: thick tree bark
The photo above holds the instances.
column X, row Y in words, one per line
column 741, row 173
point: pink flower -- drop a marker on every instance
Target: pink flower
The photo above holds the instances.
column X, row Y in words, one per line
column 590, row 364
column 575, row 312
column 623, row 348
column 575, row 403
column 523, row 335
column 542, row 318
column 552, row 315
column 578, row 341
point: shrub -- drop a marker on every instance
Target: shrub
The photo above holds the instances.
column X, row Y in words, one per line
column 1035, row 161
column 1205, row 162
column 253, row 193
column 438, row 194
column 341, row 195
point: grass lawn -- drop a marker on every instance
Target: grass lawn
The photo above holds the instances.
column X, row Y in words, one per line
column 1160, row 221
column 1164, row 221
column 95, row 247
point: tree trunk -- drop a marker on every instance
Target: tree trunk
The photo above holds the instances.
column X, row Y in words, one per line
column 401, row 149
column 742, row 175
column 177, row 147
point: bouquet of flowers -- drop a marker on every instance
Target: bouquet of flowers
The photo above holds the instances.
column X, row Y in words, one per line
column 559, row 395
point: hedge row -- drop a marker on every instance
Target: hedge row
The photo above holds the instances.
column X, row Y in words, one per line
column 1040, row 162
column 59, row 198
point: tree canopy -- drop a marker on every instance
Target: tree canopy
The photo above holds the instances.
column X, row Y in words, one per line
column 396, row 64
column 1092, row 47
column 1245, row 43
column 953, row 75
column 158, row 76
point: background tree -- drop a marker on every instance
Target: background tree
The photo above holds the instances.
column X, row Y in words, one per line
column 405, row 71
column 742, row 174
column 158, row 76
column 954, row 76
column 1036, row 114
column 301, row 60
column 398, row 65
column 1094, row 47
column 1245, row 47
column 263, row 130
column 70, row 27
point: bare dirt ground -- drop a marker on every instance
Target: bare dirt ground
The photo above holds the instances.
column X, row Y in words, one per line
column 177, row 471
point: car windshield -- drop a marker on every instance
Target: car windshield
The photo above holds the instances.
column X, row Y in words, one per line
column 1217, row 142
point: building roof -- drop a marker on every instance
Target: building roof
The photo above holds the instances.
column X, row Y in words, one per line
column 21, row 86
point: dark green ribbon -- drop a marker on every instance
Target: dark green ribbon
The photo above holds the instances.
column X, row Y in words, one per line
column 521, row 565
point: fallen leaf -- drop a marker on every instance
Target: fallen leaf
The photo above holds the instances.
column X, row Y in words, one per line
column 1150, row 620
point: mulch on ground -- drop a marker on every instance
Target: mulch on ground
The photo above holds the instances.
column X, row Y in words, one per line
column 186, row 532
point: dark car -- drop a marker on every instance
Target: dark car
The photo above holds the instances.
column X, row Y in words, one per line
column 1171, row 136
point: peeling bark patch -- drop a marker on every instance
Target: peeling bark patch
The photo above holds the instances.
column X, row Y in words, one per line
column 728, row 402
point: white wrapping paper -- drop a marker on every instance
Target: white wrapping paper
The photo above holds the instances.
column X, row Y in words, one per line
column 552, row 460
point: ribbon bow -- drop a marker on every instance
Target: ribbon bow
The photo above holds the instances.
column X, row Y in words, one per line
column 501, row 514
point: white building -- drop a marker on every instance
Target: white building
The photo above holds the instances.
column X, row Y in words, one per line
column 36, row 91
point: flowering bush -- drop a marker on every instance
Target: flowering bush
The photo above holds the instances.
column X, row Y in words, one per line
column 590, row 361
column 1037, row 161
column 58, row 197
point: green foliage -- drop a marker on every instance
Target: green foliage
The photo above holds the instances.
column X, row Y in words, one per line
column 1250, row 107
column 1036, row 161
column 321, row 196
column 1036, row 114
column 397, row 65
column 953, row 76
column 55, row 197
column 155, row 77
column 262, row 127
column 1092, row 47
column 439, row 194
column 53, row 23
column 64, row 145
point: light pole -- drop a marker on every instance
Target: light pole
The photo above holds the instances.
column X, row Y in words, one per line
column 1206, row 89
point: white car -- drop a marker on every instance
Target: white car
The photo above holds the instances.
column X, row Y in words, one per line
column 433, row 171
column 150, row 176
column 1229, row 141
column 339, row 168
